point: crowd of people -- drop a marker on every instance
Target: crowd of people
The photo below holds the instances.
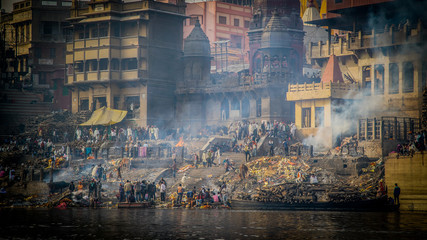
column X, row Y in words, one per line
column 146, row 191
column 416, row 142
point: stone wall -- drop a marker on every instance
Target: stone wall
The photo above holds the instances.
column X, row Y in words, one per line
column 410, row 173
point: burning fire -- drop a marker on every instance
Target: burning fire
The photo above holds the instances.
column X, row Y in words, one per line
column 180, row 143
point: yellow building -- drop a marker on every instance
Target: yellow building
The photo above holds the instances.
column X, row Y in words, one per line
column 34, row 43
column 382, row 60
column 315, row 103
column 126, row 55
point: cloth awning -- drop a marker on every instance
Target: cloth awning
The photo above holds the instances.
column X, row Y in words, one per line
column 105, row 116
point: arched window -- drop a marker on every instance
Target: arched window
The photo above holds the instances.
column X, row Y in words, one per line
column 393, row 79
column 408, row 77
column 284, row 62
column 235, row 104
column 275, row 63
column 379, row 79
column 245, row 108
column 258, row 107
column 257, row 62
column 266, row 64
column 225, row 109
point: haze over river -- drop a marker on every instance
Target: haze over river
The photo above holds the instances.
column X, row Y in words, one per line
column 83, row 223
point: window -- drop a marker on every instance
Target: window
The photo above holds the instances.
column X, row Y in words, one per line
column 225, row 113
column 379, row 79
column 408, row 77
column 237, row 22
column 92, row 65
column 319, row 116
column 103, row 31
column 94, row 33
column 78, row 66
column 393, row 79
column 245, row 108
column 258, row 107
column 52, row 52
column 129, row 64
column 222, row 20
column 47, row 28
column 306, row 117
column 366, row 79
column 49, row 3
column 236, row 41
column 115, row 29
column 246, row 24
column 103, row 64
column 84, row 104
column 235, row 104
column 338, row 1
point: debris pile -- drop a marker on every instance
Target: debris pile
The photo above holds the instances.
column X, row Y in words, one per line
column 291, row 180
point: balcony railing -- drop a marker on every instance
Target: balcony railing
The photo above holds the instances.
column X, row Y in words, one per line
column 365, row 40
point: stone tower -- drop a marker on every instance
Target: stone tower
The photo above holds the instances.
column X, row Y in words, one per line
column 284, row 32
column 190, row 91
column 197, row 56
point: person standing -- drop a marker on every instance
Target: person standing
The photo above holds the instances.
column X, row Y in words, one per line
column 271, row 143
column 180, row 191
column 174, row 167
column 128, row 189
column 285, row 147
column 247, row 153
column 218, row 156
column 138, row 191
column 71, row 187
column 163, row 192
column 396, row 194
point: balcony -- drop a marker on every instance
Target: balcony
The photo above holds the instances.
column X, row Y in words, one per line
column 129, row 75
column 324, row 49
column 345, row 46
column 93, row 43
column 321, row 90
column 387, row 38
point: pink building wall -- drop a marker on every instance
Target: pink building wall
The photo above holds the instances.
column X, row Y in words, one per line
column 209, row 12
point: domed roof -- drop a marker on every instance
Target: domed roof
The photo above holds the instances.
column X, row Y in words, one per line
column 275, row 34
column 197, row 43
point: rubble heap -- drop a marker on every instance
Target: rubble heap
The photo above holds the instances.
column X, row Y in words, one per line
column 287, row 180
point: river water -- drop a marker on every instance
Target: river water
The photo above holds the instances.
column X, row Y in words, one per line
column 208, row 224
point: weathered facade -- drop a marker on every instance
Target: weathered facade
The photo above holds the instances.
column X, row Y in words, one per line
column 126, row 56
column 276, row 43
column 384, row 57
column 33, row 50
